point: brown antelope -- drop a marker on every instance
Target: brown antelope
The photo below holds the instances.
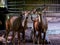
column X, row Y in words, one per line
column 40, row 26
column 15, row 24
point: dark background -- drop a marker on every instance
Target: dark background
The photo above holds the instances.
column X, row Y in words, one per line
column 3, row 12
column 2, row 18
